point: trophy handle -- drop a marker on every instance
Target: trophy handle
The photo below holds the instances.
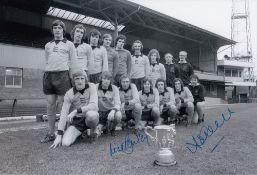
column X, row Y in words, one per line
column 148, row 134
column 171, row 143
column 173, row 129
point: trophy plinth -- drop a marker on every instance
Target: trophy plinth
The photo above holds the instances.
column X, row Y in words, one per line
column 164, row 139
column 165, row 157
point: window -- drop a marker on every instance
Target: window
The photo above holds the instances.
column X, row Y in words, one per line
column 234, row 73
column 228, row 72
column 13, row 77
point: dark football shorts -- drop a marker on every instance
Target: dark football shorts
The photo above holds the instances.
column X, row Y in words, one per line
column 165, row 113
column 195, row 102
column 56, row 83
column 129, row 115
column 103, row 115
column 80, row 123
column 95, row 78
column 138, row 82
column 183, row 110
column 146, row 115
column 117, row 80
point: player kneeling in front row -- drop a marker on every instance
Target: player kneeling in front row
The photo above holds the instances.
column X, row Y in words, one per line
column 149, row 98
column 184, row 100
column 130, row 103
column 167, row 102
column 82, row 101
column 197, row 91
column 108, row 103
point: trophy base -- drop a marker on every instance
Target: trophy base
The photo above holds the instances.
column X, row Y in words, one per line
column 156, row 162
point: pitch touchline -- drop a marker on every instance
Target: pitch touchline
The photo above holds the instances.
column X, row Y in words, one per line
column 20, row 129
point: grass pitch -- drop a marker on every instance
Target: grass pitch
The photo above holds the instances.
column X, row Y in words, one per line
column 22, row 153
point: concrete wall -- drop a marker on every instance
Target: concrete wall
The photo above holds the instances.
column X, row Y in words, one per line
column 221, row 91
column 31, row 60
column 208, row 59
column 148, row 44
column 21, row 56
column 210, row 88
column 201, row 56
column 220, row 70
column 192, row 53
column 243, row 90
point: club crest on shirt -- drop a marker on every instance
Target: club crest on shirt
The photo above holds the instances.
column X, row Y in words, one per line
column 55, row 49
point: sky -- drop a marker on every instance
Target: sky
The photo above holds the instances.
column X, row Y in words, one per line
column 212, row 15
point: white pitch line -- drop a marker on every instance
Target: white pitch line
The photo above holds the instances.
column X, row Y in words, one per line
column 21, row 129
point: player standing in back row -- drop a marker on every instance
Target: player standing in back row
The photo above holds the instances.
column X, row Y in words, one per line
column 124, row 59
column 140, row 65
column 185, row 68
column 99, row 55
column 60, row 57
column 113, row 57
column 83, row 50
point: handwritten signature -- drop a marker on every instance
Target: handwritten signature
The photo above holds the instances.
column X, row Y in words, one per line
column 207, row 131
column 127, row 146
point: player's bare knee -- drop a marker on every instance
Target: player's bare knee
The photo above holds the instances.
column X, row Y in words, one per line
column 138, row 107
column 173, row 110
column 66, row 142
column 199, row 105
column 92, row 116
column 190, row 105
column 156, row 111
column 118, row 116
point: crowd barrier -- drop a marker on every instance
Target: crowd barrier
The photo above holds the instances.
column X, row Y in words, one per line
column 22, row 107
column 252, row 100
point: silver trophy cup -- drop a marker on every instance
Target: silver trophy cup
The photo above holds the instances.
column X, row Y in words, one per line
column 164, row 140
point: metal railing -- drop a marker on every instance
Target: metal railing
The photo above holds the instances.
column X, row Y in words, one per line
column 9, row 107
column 252, row 100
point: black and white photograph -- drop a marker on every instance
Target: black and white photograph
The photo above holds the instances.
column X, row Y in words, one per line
column 128, row 87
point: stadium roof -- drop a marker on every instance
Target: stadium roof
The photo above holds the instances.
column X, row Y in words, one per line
column 138, row 18
column 128, row 17
column 65, row 14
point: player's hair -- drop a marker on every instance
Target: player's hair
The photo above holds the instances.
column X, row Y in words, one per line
column 77, row 73
column 95, row 32
column 124, row 77
column 181, row 82
column 106, row 75
column 123, row 37
column 137, row 41
column 147, row 80
column 152, row 51
column 107, row 35
column 183, row 51
column 195, row 77
column 168, row 53
column 56, row 23
column 160, row 80
column 80, row 26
